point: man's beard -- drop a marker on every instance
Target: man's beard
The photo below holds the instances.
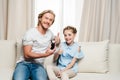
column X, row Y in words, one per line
column 42, row 26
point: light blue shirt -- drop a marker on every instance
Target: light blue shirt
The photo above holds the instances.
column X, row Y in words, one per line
column 69, row 52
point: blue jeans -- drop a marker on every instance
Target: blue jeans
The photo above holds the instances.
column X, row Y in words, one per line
column 27, row 70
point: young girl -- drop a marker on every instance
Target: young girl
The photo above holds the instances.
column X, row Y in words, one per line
column 67, row 57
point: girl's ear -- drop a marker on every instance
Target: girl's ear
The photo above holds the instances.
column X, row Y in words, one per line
column 75, row 34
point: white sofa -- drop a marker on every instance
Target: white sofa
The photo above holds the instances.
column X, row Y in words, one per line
column 101, row 61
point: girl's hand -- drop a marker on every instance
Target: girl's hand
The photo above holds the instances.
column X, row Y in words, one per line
column 79, row 49
column 59, row 74
column 60, row 51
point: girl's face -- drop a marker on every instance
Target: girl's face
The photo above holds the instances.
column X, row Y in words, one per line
column 69, row 36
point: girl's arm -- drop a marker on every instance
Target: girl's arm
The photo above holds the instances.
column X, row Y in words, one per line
column 71, row 64
column 57, row 54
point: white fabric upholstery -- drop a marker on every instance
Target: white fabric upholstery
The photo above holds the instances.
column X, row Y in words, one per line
column 6, row 73
column 96, row 58
column 19, row 51
column 96, row 76
column 114, row 58
column 8, row 57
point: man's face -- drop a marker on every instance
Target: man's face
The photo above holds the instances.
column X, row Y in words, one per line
column 47, row 20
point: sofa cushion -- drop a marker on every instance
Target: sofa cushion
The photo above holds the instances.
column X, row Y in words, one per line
column 96, row 76
column 95, row 59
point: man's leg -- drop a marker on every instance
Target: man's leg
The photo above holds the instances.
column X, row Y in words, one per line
column 21, row 72
column 38, row 72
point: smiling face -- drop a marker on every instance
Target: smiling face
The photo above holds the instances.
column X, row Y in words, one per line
column 46, row 20
column 69, row 36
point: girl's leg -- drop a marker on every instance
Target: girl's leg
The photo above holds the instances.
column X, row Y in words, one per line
column 68, row 74
column 51, row 73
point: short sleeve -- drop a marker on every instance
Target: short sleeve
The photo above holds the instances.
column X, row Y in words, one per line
column 79, row 55
column 27, row 39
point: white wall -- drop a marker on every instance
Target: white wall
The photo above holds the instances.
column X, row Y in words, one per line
column 68, row 12
column 54, row 5
column 72, row 10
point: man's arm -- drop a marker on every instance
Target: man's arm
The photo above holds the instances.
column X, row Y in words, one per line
column 29, row 54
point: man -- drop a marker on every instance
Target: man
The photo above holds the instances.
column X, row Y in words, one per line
column 36, row 43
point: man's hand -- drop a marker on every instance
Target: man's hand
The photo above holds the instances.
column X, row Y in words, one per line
column 49, row 51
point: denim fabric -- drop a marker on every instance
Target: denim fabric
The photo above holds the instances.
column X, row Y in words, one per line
column 27, row 70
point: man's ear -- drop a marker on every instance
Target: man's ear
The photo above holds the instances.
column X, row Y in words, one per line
column 39, row 19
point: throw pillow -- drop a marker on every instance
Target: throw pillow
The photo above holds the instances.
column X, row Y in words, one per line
column 95, row 59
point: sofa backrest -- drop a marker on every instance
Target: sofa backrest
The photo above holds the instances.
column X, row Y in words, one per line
column 100, row 57
column 114, row 58
column 7, row 59
column 7, row 53
column 107, row 55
